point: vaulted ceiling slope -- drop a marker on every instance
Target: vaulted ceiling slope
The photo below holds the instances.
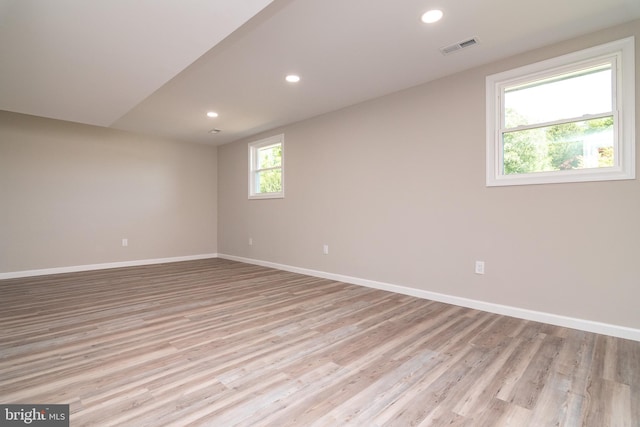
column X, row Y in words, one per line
column 92, row 61
column 158, row 67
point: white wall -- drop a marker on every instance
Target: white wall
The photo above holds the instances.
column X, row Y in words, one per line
column 396, row 188
column 71, row 192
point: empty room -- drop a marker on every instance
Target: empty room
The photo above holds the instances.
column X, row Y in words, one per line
column 319, row 213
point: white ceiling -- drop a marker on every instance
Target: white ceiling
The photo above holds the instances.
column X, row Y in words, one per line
column 157, row 67
column 91, row 61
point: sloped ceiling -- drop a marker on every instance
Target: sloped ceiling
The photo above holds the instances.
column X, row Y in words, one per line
column 92, row 61
column 157, row 67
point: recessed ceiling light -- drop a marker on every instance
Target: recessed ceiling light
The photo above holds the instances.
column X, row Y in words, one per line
column 292, row 78
column 212, row 114
column 432, row 16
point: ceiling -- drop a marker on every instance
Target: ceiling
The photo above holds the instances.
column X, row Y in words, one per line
column 158, row 66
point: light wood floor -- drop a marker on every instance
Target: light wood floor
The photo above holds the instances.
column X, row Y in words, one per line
column 222, row 343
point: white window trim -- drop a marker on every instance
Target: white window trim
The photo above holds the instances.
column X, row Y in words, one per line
column 624, row 101
column 253, row 147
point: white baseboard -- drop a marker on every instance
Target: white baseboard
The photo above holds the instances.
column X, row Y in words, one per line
column 521, row 313
column 88, row 267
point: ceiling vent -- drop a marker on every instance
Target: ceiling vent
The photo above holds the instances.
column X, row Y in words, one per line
column 460, row 45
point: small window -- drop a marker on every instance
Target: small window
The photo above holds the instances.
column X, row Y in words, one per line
column 568, row 119
column 266, row 168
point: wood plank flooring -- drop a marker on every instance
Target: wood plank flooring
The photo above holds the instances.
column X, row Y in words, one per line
column 221, row 343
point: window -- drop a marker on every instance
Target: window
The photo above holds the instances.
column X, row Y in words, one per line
column 568, row 119
column 266, row 168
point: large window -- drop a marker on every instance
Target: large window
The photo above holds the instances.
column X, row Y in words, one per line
column 266, row 168
column 567, row 119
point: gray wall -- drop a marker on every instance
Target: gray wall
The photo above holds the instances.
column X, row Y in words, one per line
column 396, row 188
column 69, row 194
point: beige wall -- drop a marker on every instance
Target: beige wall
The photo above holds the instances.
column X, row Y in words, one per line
column 69, row 193
column 396, row 188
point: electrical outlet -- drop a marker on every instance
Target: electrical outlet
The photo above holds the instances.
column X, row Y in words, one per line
column 325, row 249
column 479, row 267
column 250, row 241
column 125, row 242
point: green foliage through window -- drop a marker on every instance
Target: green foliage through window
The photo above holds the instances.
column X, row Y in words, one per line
column 270, row 181
column 269, row 174
column 266, row 168
column 573, row 145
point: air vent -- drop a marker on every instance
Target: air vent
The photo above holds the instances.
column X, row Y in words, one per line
column 460, row 45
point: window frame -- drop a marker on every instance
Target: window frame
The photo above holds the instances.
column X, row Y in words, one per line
column 621, row 52
column 253, row 148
